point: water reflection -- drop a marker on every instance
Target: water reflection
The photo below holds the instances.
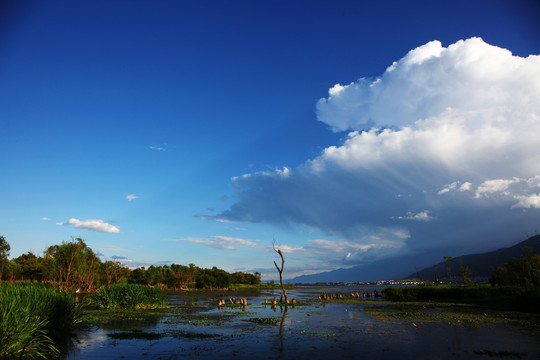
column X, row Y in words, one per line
column 195, row 326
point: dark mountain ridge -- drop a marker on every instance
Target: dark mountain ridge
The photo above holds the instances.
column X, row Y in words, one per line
column 386, row 269
column 481, row 265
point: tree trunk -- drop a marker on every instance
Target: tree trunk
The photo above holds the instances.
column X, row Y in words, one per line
column 281, row 274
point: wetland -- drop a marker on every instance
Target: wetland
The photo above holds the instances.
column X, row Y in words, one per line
column 193, row 326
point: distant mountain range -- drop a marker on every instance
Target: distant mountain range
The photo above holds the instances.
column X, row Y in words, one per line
column 400, row 268
column 481, row 265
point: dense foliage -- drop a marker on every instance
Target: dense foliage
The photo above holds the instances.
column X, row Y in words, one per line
column 522, row 298
column 32, row 316
column 74, row 265
column 129, row 296
column 524, row 271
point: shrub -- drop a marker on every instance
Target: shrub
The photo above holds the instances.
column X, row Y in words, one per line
column 127, row 296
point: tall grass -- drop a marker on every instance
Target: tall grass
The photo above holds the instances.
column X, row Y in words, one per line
column 32, row 317
column 128, row 296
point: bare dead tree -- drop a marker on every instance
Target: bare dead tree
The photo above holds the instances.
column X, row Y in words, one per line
column 280, row 270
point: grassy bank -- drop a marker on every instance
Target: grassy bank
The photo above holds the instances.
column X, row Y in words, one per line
column 129, row 296
column 33, row 317
column 526, row 299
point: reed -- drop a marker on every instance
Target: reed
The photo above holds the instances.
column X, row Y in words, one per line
column 32, row 317
column 129, row 296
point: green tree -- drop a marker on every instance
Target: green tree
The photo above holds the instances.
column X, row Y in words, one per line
column 12, row 270
column 524, row 271
column 113, row 271
column 181, row 276
column 448, row 266
column 4, row 253
column 464, row 273
column 73, row 264
column 138, row 276
column 204, row 281
column 30, row 266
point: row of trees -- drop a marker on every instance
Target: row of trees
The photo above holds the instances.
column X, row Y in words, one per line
column 523, row 271
column 74, row 265
column 181, row 276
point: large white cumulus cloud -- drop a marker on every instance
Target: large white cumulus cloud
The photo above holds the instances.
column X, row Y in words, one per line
column 468, row 75
column 448, row 136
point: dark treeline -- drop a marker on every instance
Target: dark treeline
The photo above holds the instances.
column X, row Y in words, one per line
column 74, row 265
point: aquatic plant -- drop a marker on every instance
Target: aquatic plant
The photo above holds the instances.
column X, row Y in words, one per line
column 267, row 321
column 201, row 322
column 128, row 296
column 32, row 317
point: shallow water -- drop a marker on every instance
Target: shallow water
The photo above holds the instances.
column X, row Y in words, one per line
column 195, row 328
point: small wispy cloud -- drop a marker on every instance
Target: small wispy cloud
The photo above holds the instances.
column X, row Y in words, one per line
column 45, row 219
column 421, row 216
column 237, row 228
column 93, row 225
column 131, row 197
column 157, row 148
column 211, row 218
column 466, row 186
column 219, row 242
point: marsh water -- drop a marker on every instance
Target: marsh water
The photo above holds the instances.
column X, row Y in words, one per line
column 194, row 327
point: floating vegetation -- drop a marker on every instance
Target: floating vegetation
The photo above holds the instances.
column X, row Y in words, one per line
column 266, row 321
column 121, row 316
column 201, row 322
column 319, row 335
column 452, row 314
column 130, row 296
column 316, row 313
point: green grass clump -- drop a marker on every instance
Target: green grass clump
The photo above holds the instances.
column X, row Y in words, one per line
column 266, row 321
column 129, row 296
column 32, row 317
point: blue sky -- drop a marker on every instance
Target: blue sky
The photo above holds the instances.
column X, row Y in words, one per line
column 198, row 132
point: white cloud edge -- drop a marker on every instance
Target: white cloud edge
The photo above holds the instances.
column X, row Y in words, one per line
column 218, row 242
column 527, row 201
column 91, row 224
